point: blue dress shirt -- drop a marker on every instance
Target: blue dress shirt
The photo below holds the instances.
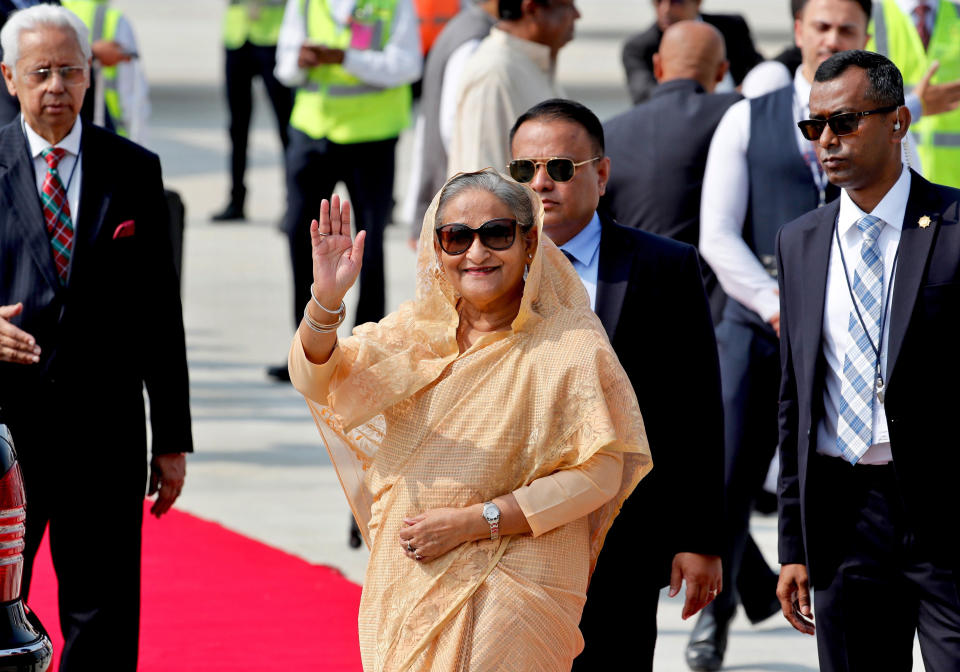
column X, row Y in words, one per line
column 585, row 250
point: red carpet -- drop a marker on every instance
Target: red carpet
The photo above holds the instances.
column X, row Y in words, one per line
column 214, row 600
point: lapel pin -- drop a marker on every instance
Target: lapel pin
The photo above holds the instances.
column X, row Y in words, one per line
column 924, row 221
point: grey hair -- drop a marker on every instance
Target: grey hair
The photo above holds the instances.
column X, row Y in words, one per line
column 514, row 196
column 41, row 16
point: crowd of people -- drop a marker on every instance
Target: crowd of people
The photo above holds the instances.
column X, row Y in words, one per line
column 616, row 324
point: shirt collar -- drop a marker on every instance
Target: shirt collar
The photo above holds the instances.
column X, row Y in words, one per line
column 585, row 244
column 536, row 52
column 71, row 142
column 909, row 5
column 891, row 208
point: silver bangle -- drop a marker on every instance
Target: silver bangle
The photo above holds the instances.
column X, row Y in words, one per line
column 321, row 328
column 339, row 311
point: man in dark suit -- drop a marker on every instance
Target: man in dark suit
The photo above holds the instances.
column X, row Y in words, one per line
column 89, row 313
column 639, row 49
column 659, row 148
column 870, row 301
column 648, row 295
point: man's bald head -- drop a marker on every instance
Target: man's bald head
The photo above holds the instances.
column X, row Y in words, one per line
column 691, row 50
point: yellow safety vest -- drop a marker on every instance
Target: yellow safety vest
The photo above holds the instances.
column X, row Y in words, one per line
column 254, row 21
column 895, row 36
column 333, row 103
column 102, row 22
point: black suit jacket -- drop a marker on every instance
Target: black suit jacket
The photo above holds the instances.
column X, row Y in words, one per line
column 658, row 152
column 923, row 370
column 639, row 50
column 117, row 323
column 652, row 306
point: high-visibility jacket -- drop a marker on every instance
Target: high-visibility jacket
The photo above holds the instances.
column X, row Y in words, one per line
column 433, row 16
column 254, row 21
column 102, row 22
column 335, row 104
column 895, row 36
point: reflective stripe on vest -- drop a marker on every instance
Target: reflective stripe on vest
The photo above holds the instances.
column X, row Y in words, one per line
column 333, row 103
column 895, row 36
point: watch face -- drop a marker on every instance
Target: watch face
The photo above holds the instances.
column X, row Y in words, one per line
column 490, row 512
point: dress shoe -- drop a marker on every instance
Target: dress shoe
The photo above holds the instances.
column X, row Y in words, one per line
column 232, row 213
column 279, row 373
column 708, row 641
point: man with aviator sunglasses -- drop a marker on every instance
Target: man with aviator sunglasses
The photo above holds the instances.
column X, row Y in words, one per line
column 648, row 294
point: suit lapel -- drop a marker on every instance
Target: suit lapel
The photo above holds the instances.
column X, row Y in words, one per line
column 94, row 199
column 814, row 263
column 915, row 246
column 18, row 182
column 613, row 276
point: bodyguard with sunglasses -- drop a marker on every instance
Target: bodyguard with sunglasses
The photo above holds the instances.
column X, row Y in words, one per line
column 870, row 311
column 647, row 292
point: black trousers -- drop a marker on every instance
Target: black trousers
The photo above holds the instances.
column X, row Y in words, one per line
column 90, row 497
column 314, row 167
column 750, row 378
column 242, row 66
column 886, row 586
column 612, row 642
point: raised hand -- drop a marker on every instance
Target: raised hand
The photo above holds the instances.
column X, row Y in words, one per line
column 336, row 257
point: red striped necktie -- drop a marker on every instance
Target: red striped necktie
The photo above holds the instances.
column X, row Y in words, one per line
column 920, row 12
column 56, row 212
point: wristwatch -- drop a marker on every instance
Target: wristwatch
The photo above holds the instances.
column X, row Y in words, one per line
column 491, row 513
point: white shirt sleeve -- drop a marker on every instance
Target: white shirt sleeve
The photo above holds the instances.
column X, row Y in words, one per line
column 293, row 33
column 451, row 85
column 132, row 85
column 723, row 207
column 400, row 62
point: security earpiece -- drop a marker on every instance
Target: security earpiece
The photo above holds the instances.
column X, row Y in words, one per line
column 896, row 126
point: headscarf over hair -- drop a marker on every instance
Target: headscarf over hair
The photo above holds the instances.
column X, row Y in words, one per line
column 412, row 424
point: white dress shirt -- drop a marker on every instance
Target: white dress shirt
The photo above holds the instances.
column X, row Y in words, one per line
column 67, row 166
column 585, row 250
column 908, row 7
column 837, row 306
column 723, row 206
column 400, row 61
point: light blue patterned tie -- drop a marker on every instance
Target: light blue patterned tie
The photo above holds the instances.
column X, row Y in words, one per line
column 855, row 424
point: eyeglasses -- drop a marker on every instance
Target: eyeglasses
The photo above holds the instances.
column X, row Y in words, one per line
column 558, row 168
column 496, row 234
column 840, row 124
column 72, row 75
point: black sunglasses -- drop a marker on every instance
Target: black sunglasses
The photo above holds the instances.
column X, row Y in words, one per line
column 559, row 169
column 496, row 234
column 840, row 124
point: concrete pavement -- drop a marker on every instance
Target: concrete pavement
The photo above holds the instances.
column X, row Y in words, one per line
column 259, row 467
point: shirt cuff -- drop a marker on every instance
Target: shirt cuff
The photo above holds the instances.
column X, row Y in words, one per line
column 915, row 105
column 569, row 494
column 767, row 304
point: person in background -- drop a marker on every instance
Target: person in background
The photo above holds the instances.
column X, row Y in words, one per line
column 351, row 63
column 646, row 290
column 512, row 70
column 120, row 93
column 250, row 32
column 760, row 174
column 869, row 314
column 441, row 79
column 85, row 263
column 922, row 37
column 659, row 148
column 639, row 49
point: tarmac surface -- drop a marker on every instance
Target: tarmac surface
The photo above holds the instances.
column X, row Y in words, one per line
column 259, row 467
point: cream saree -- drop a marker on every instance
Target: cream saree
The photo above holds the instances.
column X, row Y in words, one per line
column 411, row 424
